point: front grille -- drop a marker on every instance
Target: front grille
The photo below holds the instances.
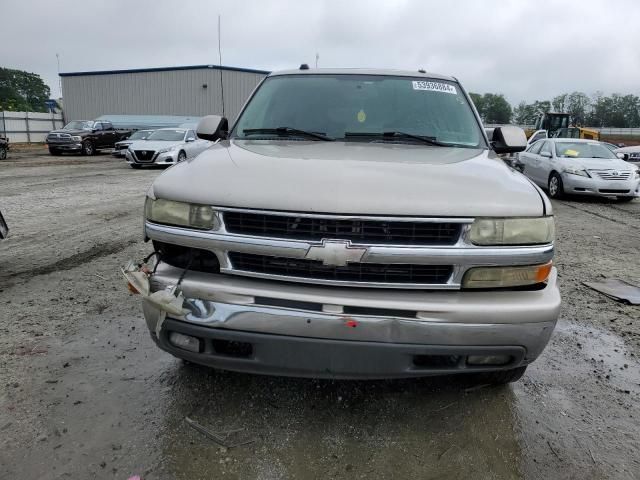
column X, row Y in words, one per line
column 611, row 174
column 59, row 138
column 144, row 155
column 369, row 231
column 353, row 272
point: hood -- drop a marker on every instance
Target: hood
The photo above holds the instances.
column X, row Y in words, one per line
column 152, row 144
column 351, row 178
column 71, row 132
column 598, row 164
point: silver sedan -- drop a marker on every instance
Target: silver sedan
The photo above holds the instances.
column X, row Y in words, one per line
column 166, row 146
column 583, row 167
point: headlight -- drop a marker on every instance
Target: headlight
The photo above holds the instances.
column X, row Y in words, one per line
column 180, row 214
column 576, row 171
column 76, row 138
column 168, row 149
column 512, row 231
column 503, row 277
column 637, row 175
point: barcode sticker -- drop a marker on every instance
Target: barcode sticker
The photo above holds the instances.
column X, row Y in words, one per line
column 434, row 87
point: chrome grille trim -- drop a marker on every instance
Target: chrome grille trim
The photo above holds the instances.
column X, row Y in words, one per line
column 612, row 174
column 462, row 256
column 370, row 231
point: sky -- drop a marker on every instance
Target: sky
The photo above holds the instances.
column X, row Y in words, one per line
column 526, row 50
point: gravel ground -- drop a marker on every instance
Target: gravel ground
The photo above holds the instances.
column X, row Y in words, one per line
column 85, row 393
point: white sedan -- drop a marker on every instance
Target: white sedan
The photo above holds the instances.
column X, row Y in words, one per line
column 166, row 146
column 582, row 167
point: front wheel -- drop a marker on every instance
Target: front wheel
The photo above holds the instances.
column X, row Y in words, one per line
column 555, row 187
column 134, row 165
column 54, row 151
column 182, row 157
column 3, row 153
column 88, row 148
column 624, row 199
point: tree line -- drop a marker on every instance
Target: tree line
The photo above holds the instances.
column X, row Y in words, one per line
column 22, row 91
column 597, row 110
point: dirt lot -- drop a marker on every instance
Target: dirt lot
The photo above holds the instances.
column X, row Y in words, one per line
column 85, row 393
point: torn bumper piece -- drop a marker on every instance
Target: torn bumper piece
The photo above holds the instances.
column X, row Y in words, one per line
column 306, row 331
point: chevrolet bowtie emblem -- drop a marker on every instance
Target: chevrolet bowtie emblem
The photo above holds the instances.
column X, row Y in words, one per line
column 336, row 253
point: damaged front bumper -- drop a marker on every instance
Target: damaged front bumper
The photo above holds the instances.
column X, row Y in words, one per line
column 276, row 328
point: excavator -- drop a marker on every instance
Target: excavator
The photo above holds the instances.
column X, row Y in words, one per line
column 556, row 125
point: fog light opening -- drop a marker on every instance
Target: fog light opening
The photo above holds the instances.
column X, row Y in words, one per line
column 185, row 342
column 493, row 360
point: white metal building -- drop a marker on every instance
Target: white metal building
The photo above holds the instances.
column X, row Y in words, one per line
column 192, row 90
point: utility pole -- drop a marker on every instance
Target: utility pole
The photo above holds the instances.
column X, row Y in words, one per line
column 317, row 58
column 59, row 79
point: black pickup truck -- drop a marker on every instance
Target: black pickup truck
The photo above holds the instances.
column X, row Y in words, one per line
column 85, row 137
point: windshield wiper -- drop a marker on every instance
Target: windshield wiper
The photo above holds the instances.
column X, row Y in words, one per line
column 288, row 132
column 396, row 134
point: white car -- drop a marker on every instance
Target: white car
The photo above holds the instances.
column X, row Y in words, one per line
column 166, row 146
column 632, row 153
column 581, row 167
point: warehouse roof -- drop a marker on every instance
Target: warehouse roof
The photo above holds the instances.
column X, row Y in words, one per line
column 164, row 69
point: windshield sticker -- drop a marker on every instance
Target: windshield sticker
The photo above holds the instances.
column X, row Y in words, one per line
column 571, row 153
column 362, row 117
column 434, row 87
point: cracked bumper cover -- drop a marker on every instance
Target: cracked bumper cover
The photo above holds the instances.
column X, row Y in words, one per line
column 288, row 341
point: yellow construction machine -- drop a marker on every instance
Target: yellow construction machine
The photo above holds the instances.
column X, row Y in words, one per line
column 557, row 126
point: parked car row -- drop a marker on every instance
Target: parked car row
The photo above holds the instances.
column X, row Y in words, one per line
column 85, row 136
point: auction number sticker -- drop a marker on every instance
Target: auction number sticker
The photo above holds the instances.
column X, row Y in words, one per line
column 434, row 87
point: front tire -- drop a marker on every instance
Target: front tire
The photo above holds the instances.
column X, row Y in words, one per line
column 88, row 148
column 134, row 165
column 624, row 199
column 182, row 157
column 54, row 151
column 3, row 153
column 555, row 186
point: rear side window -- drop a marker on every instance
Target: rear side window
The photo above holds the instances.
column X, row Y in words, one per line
column 535, row 148
column 546, row 147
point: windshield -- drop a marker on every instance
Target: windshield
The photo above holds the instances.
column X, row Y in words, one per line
column 140, row 135
column 348, row 107
column 167, row 135
column 79, row 125
column 583, row 150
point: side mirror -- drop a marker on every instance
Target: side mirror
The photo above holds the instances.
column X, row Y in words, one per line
column 508, row 139
column 545, row 154
column 191, row 139
column 622, row 156
column 212, row 127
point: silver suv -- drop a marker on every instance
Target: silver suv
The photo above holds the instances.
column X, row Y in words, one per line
column 353, row 224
